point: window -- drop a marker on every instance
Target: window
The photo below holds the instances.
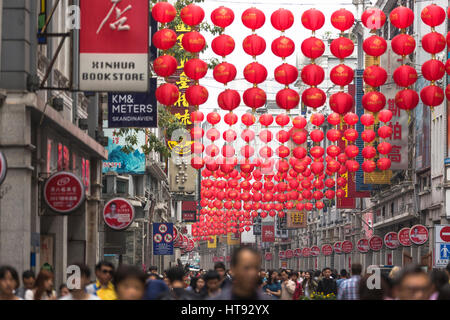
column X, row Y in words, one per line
column 104, row 189
column 392, row 209
column 122, row 186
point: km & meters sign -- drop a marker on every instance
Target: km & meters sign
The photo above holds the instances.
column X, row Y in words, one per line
column 114, row 45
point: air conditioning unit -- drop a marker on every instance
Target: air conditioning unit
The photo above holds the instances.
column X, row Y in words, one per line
column 83, row 124
column 58, row 104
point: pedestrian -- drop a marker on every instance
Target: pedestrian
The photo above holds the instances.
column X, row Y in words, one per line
column 343, row 276
column 349, row 289
column 287, row 285
column 198, row 286
column 212, row 281
column 444, row 292
column 298, row 292
column 129, row 283
column 63, row 290
column 28, row 279
column 9, row 282
column 438, row 278
column 412, row 283
column 447, row 269
column 273, row 286
column 263, row 278
column 43, row 287
column 153, row 276
column 177, row 291
column 155, row 289
column 103, row 287
column 327, row 285
column 394, row 272
column 219, row 267
column 317, row 276
column 80, row 292
column 372, row 292
column 245, row 266
column 309, row 284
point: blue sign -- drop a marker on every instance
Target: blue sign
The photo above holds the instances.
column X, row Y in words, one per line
column 444, row 251
column 163, row 239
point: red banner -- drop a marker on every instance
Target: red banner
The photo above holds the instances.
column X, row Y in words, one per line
column 268, row 233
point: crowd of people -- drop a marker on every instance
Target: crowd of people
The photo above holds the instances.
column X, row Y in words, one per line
column 245, row 280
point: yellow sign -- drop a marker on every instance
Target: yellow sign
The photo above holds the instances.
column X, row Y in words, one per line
column 212, row 242
column 233, row 240
column 182, row 148
column 296, row 219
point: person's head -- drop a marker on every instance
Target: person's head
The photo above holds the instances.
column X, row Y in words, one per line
column 307, row 275
column 153, row 269
column 444, row 292
column 129, row 283
column 9, row 281
column 44, row 283
column 369, row 292
column 317, row 273
column 412, row 284
column 293, row 276
column 394, row 272
column 262, row 274
column 175, row 276
column 326, row 272
column 200, row 283
column 284, row 275
column 447, row 269
column 356, row 269
column 85, row 275
column 438, row 278
column 212, row 280
column 245, row 265
column 28, row 279
column 152, row 276
column 104, row 272
column 63, row 290
column 343, row 274
column 113, row 207
column 219, row 267
column 273, row 276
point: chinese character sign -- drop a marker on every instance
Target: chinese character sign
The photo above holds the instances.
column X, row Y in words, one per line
column 114, row 45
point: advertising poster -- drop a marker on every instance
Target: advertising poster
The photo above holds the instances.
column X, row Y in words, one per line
column 118, row 213
column 163, row 239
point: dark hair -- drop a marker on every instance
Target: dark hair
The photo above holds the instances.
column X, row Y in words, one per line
column 269, row 277
column 439, row 278
column 343, row 273
column 104, row 263
column 126, row 272
column 293, row 273
column 448, row 267
column 444, row 292
column 62, row 286
column 5, row 269
column 175, row 274
column 317, row 273
column 153, row 268
column 325, row 269
column 236, row 253
column 211, row 275
column 219, row 265
column 84, row 270
column 409, row 270
column 356, row 269
column 28, row 274
column 372, row 294
column 42, row 277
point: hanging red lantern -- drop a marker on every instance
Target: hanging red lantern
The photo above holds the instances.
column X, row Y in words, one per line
column 401, row 17
column 351, row 118
column 432, row 95
column 333, row 135
column 299, row 137
column 316, row 152
column 223, row 45
column 342, row 47
column 255, row 73
column 313, row 19
column 332, row 150
column 287, row 99
column 317, row 167
column 373, row 18
column 384, row 163
column 164, row 39
column 299, row 152
column 375, row 46
column 254, row 45
column 352, row 165
column 283, row 47
column 342, row 19
column 367, row 119
column 404, row 76
column 213, row 118
column 312, row 74
column 167, row 94
column 385, row 115
column 286, row 74
column 403, row 44
column 192, row 14
column 375, row 76
column 351, row 151
column 299, row 122
column 193, row 42
column 195, row 68
column 351, row 134
column 266, row 119
column 316, row 135
column 197, row 163
column 341, row 75
column 197, row 116
column 163, row 12
column 254, row 97
column 447, row 65
column 384, row 148
column 222, row 17
column 406, row 99
column 433, row 15
column 197, row 147
column 312, row 47
column 212, row 134
column 253, row 18
column 433, row 70
column 224, row 72
column 334, row 119
column 314, row 97
column 368, row 135
column 196, row 95
column 317, row 119
column 282, row 119
column 447, row 92
column 230, row 118
column 165, row 65
column 282, row 19
column 368, row 166
column 248, row 119
column 341, row 102
column 384, row 132
column 229, row 135
column 229, row 99
column 373, row 101
column 369, row 152
column 433, row 42
column 197, row 133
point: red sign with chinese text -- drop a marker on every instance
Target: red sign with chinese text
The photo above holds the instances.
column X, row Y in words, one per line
column 363, row 245
column 375, row 243
column 347, row 246
column 64, row 192
column 289, row 254
column 268, row 256
column 268, row 233
column 118, row 213
column 298, row 252
column 315, row 251
column 403, row 237
column 391, row 240
column 327, row 249
column 306, row 252
column 418, row 234
column 337, row 247
column 282, row 255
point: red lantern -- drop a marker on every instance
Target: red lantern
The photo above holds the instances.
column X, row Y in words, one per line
column 403, row 44
column 229, row 100
column 352, row 165
column 333, row 151
column 299, row 122
column 197, row 163
column 432, row 95
column 373, row 18
column 254, row 45
column 384, row 132
column 197, row 117
column 287, row 99
column 165, row 65
column 314, row 97
column 341, row 102
column 223, row 45
column 312, row 74
column 164, row 39
column 369, row 166
column 312, row 47
column 351, row 118
column 197, row 133
column 253, row 18
column 351, row 134
column 405, row 75
column 283, row 47
column 224, row 72
column 213, row 118
column 447, row 92
column 317, row 167
column 369, row 152
column 229, row 135
column 334, row 119
column 299, row 152
column 299, row 137
column 375, row 46
column 255, row 73
column 342, row 47
column 385, row 115
column 197, row 147
column 163, row 12
column 406, row 99
column 222, row 17
column 401, row 17
column 193, row 41
column 254, row 98
column 196, row 95
column 192, row 14
column 316, row 152
column 373, row 101
column 282, row 19
column 447, row 65
column 282, row 119
column 433, row 70
column 265, row 136
column 313, row 19
column 384, row 163
column 341, row 75
column 212, row 134
column 266, row 119
column 433, row 42
column 342, row 19
column 333, row 135
column 384, row 148
column 248, row 119
column 351, row 151
column 375, row 76
column 368, row 135
column 317, row 119
column 286, row 74
column 230, row 118
column 316, row 135
column 433, row 15
column 367, row 119
column 195, row 69
column 283, row 136
column 167, row 94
